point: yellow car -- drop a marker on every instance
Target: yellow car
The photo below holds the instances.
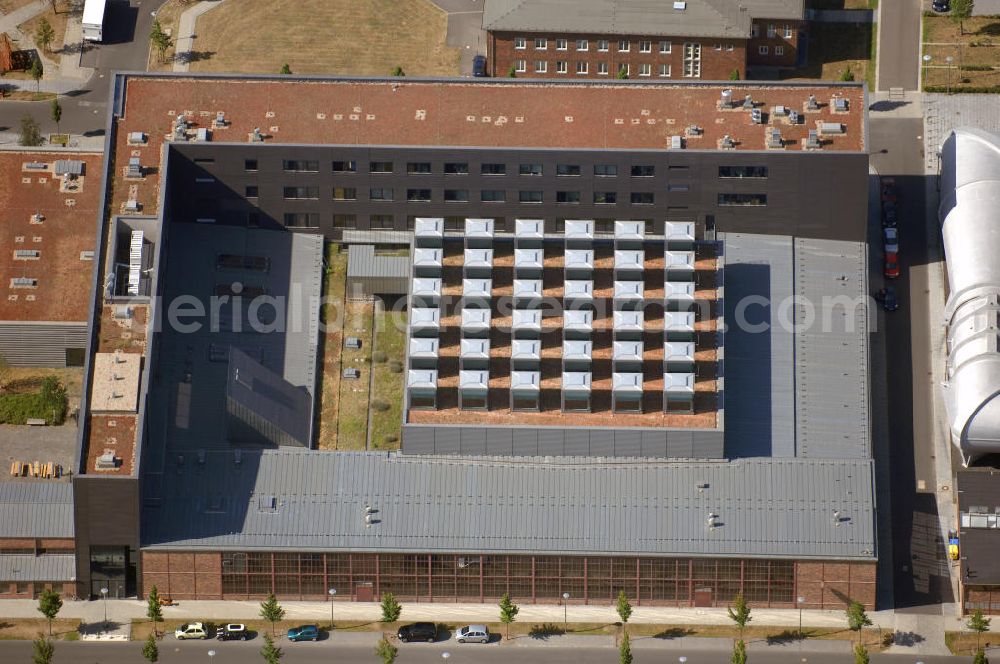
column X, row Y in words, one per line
column 953, row 548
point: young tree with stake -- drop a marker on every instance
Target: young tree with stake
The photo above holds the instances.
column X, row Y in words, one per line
column 857, row 619
column 624, row 609
column 49, row 604
column 150, row 650
column 978, row 623
column 390, row 608
column 271, row 653
column 271, row 611
column 42, row 651
column 739, row 613
column 508, row 611
column 56, row 110
column 44, row 34
column 153, row 610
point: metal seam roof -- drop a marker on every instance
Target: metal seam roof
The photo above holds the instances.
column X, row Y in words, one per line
column 36, row 510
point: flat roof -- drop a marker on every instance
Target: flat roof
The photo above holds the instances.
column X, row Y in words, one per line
column 979, row 505
column 573, row 505
column 46, row 254
column 116, row 382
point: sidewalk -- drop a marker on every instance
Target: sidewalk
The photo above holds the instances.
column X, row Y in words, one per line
column 186, row 34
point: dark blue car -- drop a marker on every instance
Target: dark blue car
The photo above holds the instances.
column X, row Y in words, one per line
column 479, row 66
column 304, row 633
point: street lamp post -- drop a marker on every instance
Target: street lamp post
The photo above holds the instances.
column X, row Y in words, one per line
column 332, row 592
column 445, row 655
column 949, row 60
column 211, row 654
column 927, row 63
column 104, row 593
column 800, row 600
column 565, row 614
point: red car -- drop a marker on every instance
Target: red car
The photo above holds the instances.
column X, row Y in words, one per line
column 889, row 190
column 891, row 269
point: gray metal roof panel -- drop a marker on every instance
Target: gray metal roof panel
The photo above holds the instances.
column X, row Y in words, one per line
column 765, row 507
column 36, row 509
column 363, row 262
column 27, row 567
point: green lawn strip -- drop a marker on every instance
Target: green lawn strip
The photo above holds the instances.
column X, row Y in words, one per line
column 388, row 385
column 352, row 429
column 332, row 316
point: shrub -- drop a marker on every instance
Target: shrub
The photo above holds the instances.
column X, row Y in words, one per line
column 847, row 75
column 976, row 68
column 380, row 356
column 49, row 404
column 380, row 405
column 396, row 366
column 390, row 438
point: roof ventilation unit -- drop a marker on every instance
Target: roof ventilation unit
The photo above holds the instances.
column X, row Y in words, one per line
column 727, row 143
column 812, row 142
column 676, row 142
column 680, row 5
column 812, row 104
column 774, row 138
column 756, row 116
column 727, row 98
column 748, row 103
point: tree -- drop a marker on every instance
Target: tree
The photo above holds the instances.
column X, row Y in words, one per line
column 271, row 611
column 390, row 608
column 37, row 70
column 160, row 40
column 30, row 135
column 739, row 653
column 153, row 610
column 861, row 655
column 398, row 71
column 622, row 73
column 846, row 75
column 624, row 609
column 625, row 651
column 508, row 611
column 734, row 75
column 961, row 11
column 857, row 619
column 739, row 613
column 980, row 657
column 150, row 650
column 386, row 651
column 978, row 623
column 43, row 651
column 49, row 604
column 56, row 113
column 271, row 653
column 285, row 69
column 44, row 34
column 512, row 73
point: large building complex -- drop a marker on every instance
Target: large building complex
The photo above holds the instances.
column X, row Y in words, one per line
column 613, row 376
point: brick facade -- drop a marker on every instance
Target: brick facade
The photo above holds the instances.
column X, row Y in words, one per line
column 32, row 589
column 35, row 546
column 986, row 598
column 775, row 43
column 656, row 58
column 833, row 585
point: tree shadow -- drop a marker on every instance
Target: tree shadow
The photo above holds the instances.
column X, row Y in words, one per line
column 93, row 132
column 882, row 106
column 674, row 633
column 907, row 638
column 992, row 29
column 785, row 637
column 188, row 57
column 544, row 631
column 78, row 47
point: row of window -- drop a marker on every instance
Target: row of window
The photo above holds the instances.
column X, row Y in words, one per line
column 602, row 226
column 691, row 61
column 778, row 50
column 601, row 45
column 459, row 168
column 387, row 194
column 788, row 31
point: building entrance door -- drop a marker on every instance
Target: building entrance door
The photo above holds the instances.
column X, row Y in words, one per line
column 364, row 592
column 703, row 597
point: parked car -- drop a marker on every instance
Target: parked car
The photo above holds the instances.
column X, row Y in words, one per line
column 887, row 296
column 953, row 552
column 304, row 633
column 889, row 190
column 195, row 630
column 234, row 632
column 889, row 213
column 890, row 240
column 423, row 631
column 941, row 6
column 891, row 267
column 472, row 634
column 479, row 66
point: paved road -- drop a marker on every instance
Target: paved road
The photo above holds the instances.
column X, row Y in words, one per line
column 899, row 44
column 126, row 47
column 920, row 576
column 171, row 652
column 465, row 30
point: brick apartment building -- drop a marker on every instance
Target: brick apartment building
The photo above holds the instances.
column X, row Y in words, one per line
column 709, row 39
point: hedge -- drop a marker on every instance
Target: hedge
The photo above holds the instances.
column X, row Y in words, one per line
column 49, row 404
column 982, row 89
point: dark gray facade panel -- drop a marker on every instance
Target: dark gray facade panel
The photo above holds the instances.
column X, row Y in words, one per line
column 418, row 440
column 500, row 441
column 473, row 440
column 576, row 442
column 447, row 440
column 707, row 444
column 679, row 444
column 627, row 443
column 525, row 442
column 551, row 442
column 653, row 444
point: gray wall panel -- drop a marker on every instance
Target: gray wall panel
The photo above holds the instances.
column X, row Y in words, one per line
column 500, row 441
column 627, row 443
column 473, row 440
column 654, row 444
column 578, row 442
column 525, row 442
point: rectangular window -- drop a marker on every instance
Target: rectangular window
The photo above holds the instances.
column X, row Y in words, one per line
column 418, row 168
column 762, row 50
column 645, row 69
column 456, row 168
column 204, row 160
column 623, row 46
column 300, row 166
column 605, row 170
column 605, row 197
column 678, row 188
column 529, row 169
column 581, row 66
column 520, row 43
column 418, row 195
column 779, row 50
column 692, row 60
column 381, row 222
column 350, row 166
column 345, row 221
column 718, row 46
column 301, row 192
column 456, row 195
column 520, row 66
column 301, row 219
column 250, row 165
column 380, row 167
column 578, row 405
column 641, row 198
column 562, row 44
column 730, row 47
column 788, row 32
column 602, row 45
column 541, row 66
column 493, row 169
column 602, row 68
column 567, row 197
column 582, row 45
column 344, row 193
column 771, row 31
column 624, row 70
column 645, row 46
column 742, row 171
column 380, row 194
column 643, row 171
column 567, row 169
column 665, row 70
column 665, row 47
column 250, row 191
column 529, row 196
column 755, row 30
column 493, row 196
column 541, row 43
column 752, row 200
column 562, row 66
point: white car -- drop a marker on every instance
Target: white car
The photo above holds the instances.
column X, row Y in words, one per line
column 472, row 634
column 194, row 630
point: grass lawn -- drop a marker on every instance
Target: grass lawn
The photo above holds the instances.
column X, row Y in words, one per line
column 834, row 47
column 29, row 95
column 352, row 427
column 331, row 344
column 361, row 37
column 964, row 643
column 388, row 384
column 979, row 47
column 63, row 629
column 169, row 16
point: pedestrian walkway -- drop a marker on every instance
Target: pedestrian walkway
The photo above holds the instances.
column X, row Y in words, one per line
column 69, row 56
column 61, row 76
column 840, row 15
column 186, row 34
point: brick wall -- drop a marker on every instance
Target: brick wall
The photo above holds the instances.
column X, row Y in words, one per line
column 787, row 45
column 719, row 57
column 826, row 585
column 32, row 589
column 182, row 575
column 986, row 598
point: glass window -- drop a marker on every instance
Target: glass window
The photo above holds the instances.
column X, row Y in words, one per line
column 718, row 46
column 380, row 193
column 602, row 44
column 788, row 32
column 645, row 69
column 779, row 50
column 456, row 168
column 350, row 166
column 541, row 66
column 493, row 196
column 755, row 30
column 582, row 45
column 567, row 169
column 562, row 66
column 752, row 200
column 250, row 191
column 678, row 187
column 624, row 70
column 250, row 165
column 561, row 44
column 302, row 219
column 643, row 171
column 384, row 222
column 623, row 46
column 567, row 197
column 493, row 169
column 418, row 195
column 771, row 31
column 301, row 192
column 665, row 70
column 665, row 46
column 692, row 60
column 380, row 167
column 418, row 167
column 541, row 43
column 456, row 195
column 645, row 46
column 530, row 169
column 520, row 66
column 520, row 43
column 742, row 171
column 300, row 166
column 344, row 193
column 641, row 198
column 581, row 66
column 762, row 50
column 602, row 68
column 605, row 170
column 529, row 196
column 344, row 221
column 605, row 197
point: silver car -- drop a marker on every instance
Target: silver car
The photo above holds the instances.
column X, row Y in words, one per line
column 472, row 634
